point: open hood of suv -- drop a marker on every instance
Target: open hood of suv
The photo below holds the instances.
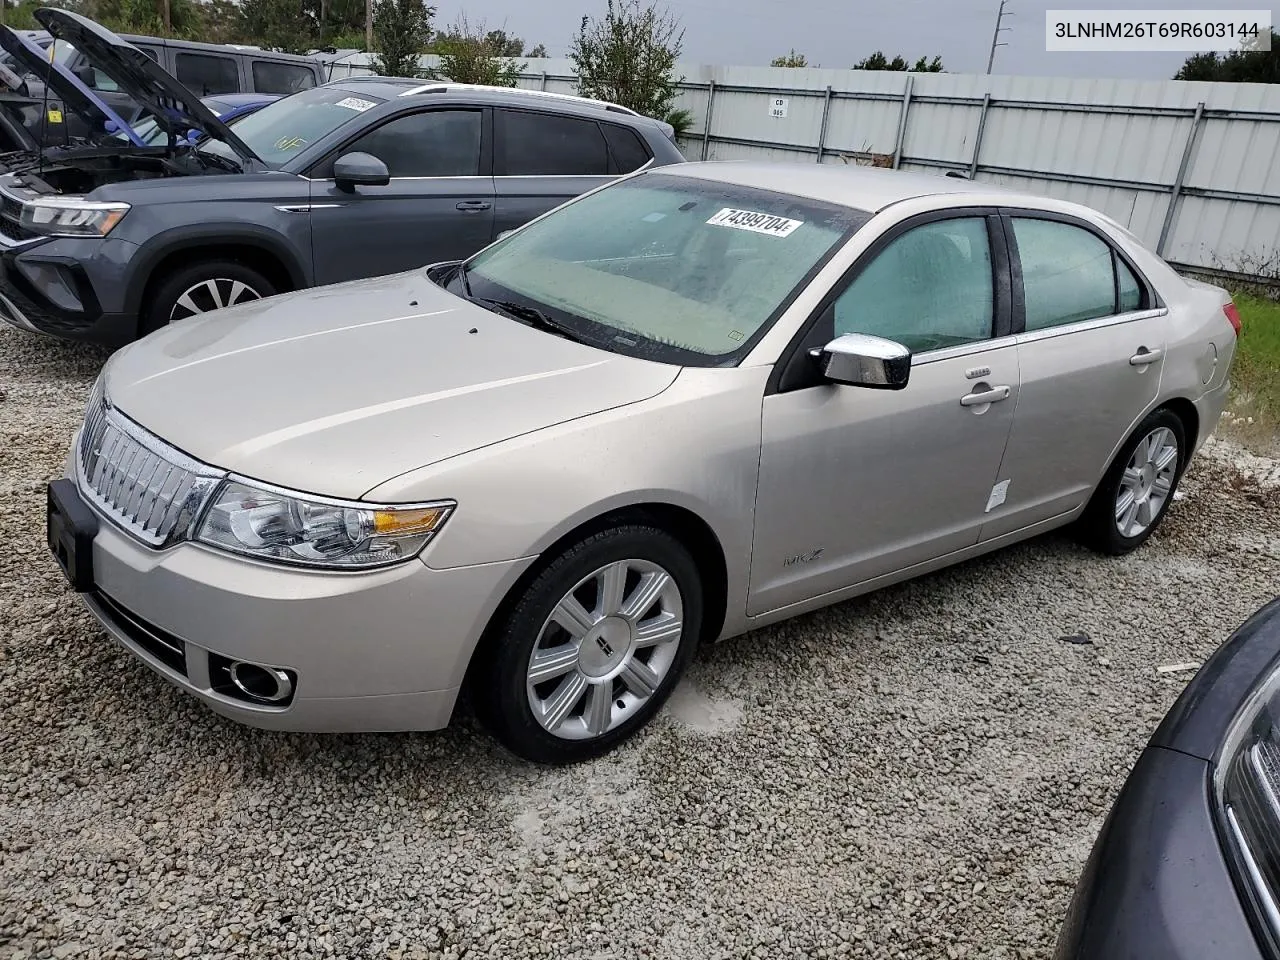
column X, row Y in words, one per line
column 175, row 107
column 65, row 85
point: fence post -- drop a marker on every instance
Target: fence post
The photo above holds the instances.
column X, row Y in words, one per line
column 902, row 121
column 706, row 127
column 544, row 81
column 1176, row 191
column 822, row 131
column 977, row 140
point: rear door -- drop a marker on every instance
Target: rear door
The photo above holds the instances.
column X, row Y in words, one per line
column 541, row 160
column 1091, row 340
column 438, row 206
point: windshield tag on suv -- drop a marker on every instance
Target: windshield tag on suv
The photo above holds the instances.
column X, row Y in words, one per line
column 755, row 222
column 355, row 103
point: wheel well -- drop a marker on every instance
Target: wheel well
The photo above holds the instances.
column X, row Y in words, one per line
column 687, row 527
column 253, row 257
column 1186, row 411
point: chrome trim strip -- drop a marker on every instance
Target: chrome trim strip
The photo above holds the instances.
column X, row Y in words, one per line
column 1115, row 320
column 1034, row 336
column 1265, row 900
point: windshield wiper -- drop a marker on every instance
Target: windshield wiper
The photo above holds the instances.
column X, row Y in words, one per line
column 216, row 160
column 530, row 315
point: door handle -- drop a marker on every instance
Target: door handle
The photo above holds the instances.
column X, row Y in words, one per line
column 992, row 395
column 474, row 206
column 1145, row 356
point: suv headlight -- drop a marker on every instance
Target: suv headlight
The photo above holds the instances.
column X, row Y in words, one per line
column 283, row 527
column 1247, row 784
column 72, row 216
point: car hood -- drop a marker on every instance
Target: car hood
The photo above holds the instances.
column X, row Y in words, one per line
column 65, row 85
column 175, row 107
column 338, row 389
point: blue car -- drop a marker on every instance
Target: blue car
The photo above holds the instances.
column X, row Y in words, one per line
column 227, row 107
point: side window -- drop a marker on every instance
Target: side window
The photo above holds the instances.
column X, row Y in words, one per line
column 1067, row 273
column 208, row 76
column 541, row 144
column 1130, row 289
column 628, row 150
column 272, row 76
column 929, row 289
column 437, row 143
column 100, row 81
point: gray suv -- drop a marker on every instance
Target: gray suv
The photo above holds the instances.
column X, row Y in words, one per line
column 356, row 178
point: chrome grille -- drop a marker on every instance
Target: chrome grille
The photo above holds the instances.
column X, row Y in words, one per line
column 152, row 490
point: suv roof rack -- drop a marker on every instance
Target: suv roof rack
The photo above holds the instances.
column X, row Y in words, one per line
column 445, row 87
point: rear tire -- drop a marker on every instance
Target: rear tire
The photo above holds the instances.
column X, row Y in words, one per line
column 592, row 648
column 202, row 287
column 1135, row 494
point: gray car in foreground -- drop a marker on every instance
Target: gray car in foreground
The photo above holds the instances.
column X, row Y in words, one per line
column 357, row 178
column 694, row 402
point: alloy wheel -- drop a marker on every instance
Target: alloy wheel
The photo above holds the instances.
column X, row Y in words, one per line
column 212, row 294
column 605, row 649
column 1146, row 482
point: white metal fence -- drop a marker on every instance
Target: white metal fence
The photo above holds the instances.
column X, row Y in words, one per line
column 1191, row 168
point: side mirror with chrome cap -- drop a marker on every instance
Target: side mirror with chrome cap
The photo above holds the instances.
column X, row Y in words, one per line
column 861, row 360
column 358, row 169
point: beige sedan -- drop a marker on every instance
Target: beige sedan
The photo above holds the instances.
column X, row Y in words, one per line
column 694, row 402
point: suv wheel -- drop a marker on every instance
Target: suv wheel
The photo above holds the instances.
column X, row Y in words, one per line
column 203, row 287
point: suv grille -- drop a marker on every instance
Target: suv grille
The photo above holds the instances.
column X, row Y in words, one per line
column 11, row 219
column 138, row 481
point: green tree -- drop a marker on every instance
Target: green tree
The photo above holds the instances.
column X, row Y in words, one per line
column 791, row 59
column 1247, row 65
column 186, row 17
column 629, row 57
column 470, row 54
column 284, row 25
column 401, row 32
column 538, row 52
column 878, row 61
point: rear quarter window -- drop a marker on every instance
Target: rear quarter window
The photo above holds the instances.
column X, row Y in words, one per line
column 272, row 76
column 627, row 150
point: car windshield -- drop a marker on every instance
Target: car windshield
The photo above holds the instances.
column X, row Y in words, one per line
column 669, row 268
column 280, row 130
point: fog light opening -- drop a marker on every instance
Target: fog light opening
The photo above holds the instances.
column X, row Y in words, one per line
column 266, row 684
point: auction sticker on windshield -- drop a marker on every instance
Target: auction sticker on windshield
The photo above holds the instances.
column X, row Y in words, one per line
column 355, row 103
column 755, row 222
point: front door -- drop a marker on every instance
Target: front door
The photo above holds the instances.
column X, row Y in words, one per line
column 857, row 483
column 437, row 206
column 1091, row 355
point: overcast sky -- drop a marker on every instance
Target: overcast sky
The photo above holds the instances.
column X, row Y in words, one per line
column 838, row 33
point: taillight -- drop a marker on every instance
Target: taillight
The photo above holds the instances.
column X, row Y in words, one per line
column 1233, row 317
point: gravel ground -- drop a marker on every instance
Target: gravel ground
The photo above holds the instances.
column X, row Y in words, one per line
column 919, row 773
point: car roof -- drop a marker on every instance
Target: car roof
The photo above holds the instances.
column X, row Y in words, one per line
column 863, row 188
column 241, row 99
column 395, row 87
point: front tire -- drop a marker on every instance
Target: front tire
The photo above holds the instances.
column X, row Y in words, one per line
column 1136, row 491
column 203, row 287
column 593, row 647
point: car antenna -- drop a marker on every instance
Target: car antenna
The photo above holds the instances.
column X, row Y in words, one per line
column 44, row 109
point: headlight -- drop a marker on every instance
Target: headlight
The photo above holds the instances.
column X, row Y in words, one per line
column 1247, row 783
column 72, row 216
column 289, row 528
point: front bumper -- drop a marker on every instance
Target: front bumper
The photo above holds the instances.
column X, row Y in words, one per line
column 89, row 304
column 385, row 650
column 1157, row 885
